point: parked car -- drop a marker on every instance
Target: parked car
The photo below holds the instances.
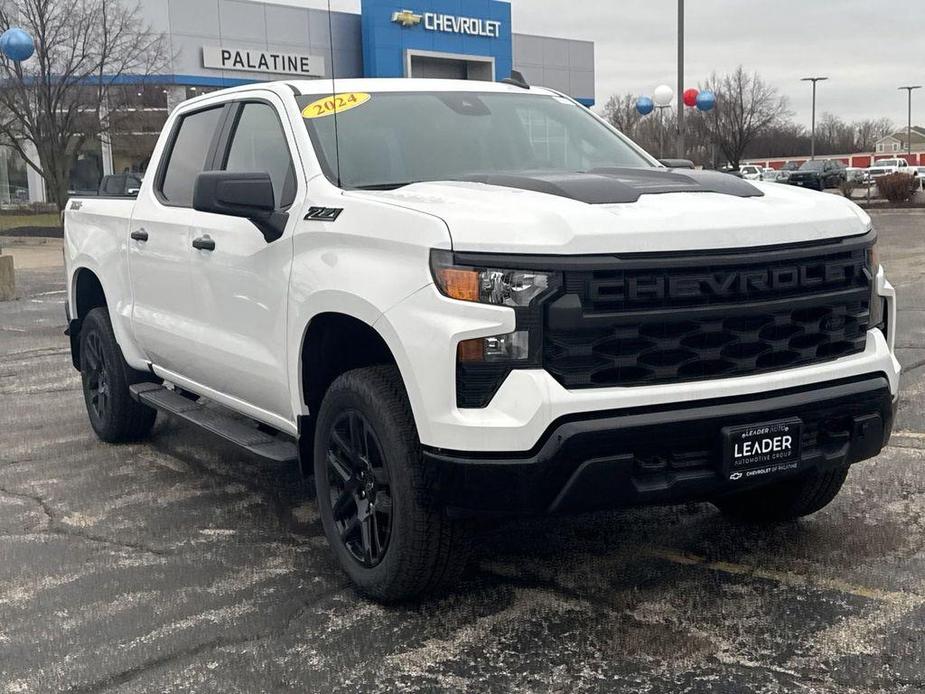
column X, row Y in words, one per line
column 885, row 167
column 750, row 172
column 769, row 174
column 920, row 172
column 855, row 174
column 783, row 173
column 818, row 174
column 888, row 166
column 436, row 327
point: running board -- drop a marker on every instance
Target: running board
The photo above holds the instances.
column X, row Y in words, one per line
column 216, row 421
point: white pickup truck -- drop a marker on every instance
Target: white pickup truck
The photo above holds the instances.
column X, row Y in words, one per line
column 451, row 299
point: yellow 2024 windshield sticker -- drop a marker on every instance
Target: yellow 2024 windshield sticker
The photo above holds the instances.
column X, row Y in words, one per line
column 336, row 103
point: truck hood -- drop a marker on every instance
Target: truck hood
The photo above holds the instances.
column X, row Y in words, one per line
column 501, row 219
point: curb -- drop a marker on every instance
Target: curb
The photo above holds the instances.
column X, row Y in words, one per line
column 30, row 241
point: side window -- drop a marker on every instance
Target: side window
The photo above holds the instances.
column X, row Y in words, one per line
column 259, row 144
column 188, row 156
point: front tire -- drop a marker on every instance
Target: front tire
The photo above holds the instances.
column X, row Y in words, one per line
column 373, row 490
column 114, row 415
column 786, row 500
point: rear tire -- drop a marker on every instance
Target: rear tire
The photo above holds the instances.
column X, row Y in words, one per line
column 786, row 500
column 373, row 491
column 114, row 415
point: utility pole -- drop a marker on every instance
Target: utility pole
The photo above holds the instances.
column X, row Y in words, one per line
column 681, row 148
column 909, row 90
column 661, row 130
column 813, row 136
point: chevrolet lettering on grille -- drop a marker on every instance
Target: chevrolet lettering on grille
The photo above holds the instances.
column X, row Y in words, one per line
column 731, row 284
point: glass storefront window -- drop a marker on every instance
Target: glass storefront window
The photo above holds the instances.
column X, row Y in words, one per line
column 14, row 182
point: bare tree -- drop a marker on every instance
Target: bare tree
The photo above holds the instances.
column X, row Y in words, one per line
column 71, row 91
column 746, row 106
column 621, row 113
column 834, row 136
column 652, row 132
column 867, row 132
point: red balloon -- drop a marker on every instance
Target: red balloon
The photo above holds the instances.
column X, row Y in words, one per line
column 690, row 97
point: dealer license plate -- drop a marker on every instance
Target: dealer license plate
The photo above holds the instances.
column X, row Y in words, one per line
column 755, row 451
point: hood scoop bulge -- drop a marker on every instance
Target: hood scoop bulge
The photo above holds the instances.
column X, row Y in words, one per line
column 619, row 185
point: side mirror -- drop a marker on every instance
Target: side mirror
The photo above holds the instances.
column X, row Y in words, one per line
column 677, row 163
column 241, row 194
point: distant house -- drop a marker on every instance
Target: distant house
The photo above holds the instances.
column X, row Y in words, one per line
column 896, row 142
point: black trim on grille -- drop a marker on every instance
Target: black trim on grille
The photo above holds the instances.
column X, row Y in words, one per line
column 704, row 316
column 603, row 261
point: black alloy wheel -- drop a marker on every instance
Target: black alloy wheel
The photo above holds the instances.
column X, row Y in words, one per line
column 105, row 378
column 97, row 378
column 359, row 488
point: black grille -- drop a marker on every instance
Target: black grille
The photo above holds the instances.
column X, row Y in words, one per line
column 681, row 318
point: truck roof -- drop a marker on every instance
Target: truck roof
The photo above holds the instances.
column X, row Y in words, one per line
column 380, row 84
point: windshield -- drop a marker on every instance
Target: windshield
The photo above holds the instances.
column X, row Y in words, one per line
column 813, row 166
column 390, row 139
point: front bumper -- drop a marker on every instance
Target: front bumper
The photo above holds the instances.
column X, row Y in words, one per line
column 660, row 454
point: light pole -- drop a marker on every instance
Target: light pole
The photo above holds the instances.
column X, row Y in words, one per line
column 909, row 90
column 681, row 152
column 812, row 145
column 661, row 130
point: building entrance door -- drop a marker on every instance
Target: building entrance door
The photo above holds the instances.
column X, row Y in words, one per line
column 450, row 68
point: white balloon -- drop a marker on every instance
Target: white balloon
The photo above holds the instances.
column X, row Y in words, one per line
column 663, row 95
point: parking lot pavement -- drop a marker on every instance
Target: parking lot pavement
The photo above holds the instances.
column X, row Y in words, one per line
column 184, row 565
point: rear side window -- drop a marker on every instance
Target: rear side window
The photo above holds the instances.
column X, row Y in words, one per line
column 188, row 155
column 259, row 145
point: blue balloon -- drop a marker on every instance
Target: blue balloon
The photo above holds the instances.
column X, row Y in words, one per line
column 644, row 105
column 706, row 101
column 16, row 44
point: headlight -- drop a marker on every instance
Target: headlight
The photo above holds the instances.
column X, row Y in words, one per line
column 877, row 302
column 482, row 363
column 503, row 287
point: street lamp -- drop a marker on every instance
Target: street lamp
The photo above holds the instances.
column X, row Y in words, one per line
column 812, row 145
column 681, row 153
column 909, row 125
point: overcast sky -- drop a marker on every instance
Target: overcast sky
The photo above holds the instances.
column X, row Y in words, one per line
column 866, row 47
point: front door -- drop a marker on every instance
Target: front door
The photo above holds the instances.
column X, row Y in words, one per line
column 241, row 287
column 163, row 315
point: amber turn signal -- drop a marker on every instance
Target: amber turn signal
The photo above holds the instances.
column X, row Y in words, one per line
column 457, row 283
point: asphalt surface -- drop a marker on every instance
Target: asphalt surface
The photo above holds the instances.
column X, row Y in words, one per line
column 184, row 565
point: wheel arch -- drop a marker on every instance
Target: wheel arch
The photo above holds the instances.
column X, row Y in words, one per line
column 88, row 294
column 333, row 343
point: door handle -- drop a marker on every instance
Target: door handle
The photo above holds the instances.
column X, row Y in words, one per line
column 204, row 243
column 140, row 235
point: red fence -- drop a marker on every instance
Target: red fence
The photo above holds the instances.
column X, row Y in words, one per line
column 859, row 160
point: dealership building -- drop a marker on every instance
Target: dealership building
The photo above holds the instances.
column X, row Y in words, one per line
column 224, row 43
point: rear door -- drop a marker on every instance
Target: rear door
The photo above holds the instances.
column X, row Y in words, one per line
column 161, row 232
column 240, row 288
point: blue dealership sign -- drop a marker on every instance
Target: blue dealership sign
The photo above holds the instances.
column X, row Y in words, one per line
column 395, row 30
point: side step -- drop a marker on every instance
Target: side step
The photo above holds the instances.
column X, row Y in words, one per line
column 216, row 421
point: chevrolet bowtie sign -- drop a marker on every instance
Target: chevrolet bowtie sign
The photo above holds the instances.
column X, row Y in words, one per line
column 435, row 21
column 406, row 18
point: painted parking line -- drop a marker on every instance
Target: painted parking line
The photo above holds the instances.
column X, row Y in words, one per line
column 909, row 434
column 787, row 578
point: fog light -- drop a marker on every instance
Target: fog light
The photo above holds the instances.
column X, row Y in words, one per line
column 497, row 348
